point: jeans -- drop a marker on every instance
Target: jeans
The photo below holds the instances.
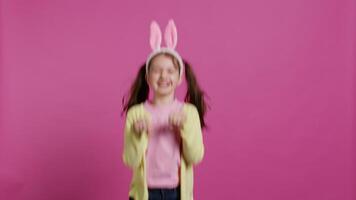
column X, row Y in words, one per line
column 163, row 194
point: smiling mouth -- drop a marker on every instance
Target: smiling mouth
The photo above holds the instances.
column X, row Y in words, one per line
column 163, row 84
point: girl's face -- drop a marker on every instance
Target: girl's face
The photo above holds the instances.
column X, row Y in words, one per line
column 163, row 75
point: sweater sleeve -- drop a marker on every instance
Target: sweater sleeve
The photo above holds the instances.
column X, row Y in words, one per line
column 134, row 144
column 191, row 134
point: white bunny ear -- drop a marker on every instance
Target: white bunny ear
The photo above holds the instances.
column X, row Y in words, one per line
column 170, row 35
column 155, row 36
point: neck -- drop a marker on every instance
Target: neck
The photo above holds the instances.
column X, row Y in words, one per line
column 163, row 100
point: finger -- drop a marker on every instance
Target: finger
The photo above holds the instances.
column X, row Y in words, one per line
column 140, row 126
column 148, row 119
column 144, row 125
column 177, row 121
column 147, row 122
column 183, row 118
column 174, row 120
column 137, row 128
column 170, row 119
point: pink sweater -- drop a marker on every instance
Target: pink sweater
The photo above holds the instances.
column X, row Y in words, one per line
column 163, row 151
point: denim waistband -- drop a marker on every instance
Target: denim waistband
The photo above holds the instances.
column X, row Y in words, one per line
column 164, row 189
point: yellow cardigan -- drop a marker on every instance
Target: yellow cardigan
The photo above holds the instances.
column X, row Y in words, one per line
column 135, row 148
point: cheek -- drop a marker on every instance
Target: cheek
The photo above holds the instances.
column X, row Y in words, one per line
column 176, row 76
column 175, row 79
column 152, row 79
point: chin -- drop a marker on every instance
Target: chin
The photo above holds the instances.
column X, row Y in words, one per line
column 165, row 92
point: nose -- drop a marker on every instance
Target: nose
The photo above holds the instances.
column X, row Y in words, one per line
column 163, row 74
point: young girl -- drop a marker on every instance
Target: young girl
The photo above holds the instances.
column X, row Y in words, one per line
column 163, row 136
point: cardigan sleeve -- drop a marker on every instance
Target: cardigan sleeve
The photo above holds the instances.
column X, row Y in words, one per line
column 191, row 134
column 134, row 144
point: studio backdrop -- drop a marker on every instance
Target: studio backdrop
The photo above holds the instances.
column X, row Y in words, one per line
column 279, row 77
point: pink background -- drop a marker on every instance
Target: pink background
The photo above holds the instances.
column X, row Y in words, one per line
column 280, row 76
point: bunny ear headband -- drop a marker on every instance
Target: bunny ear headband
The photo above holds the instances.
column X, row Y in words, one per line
column 170, row 37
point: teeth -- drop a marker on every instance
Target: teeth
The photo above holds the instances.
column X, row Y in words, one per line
column 163, row 84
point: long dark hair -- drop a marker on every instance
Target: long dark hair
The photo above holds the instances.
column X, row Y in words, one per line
column 139, row 91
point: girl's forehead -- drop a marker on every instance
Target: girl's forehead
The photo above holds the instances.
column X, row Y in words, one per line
column 163, row 61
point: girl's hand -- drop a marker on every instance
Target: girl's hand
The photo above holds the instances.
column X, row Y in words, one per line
column 141, row 125
column 177, row 119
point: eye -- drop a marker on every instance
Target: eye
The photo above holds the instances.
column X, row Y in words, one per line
column 171, row 71
column 154, row 70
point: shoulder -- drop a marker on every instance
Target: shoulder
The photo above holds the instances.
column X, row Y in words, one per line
column 136, row 109
column 190, row 108
column 188, row 105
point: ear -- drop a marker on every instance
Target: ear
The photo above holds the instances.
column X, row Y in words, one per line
column 155, row 36
column 170, row 35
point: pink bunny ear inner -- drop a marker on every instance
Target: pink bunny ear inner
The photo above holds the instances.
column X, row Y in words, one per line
column 171, row 35
column 155, row 36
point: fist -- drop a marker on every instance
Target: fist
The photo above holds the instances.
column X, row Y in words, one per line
column 141, row 125
column 177, row 119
